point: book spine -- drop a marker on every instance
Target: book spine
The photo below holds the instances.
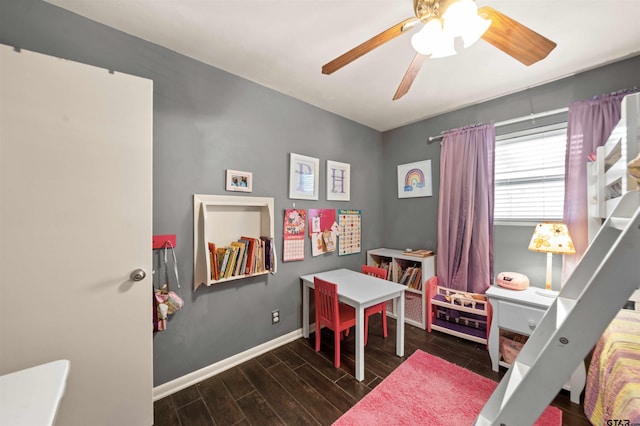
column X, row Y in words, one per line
column 249, row 269
column 225, row 262
column 232, row 262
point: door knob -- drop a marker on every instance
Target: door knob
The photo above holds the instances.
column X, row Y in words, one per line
column 138, row 275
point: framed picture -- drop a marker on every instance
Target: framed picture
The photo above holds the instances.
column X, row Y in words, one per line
column 338, row 181
column 303, row 177
column 239, row 181
column 414, row 179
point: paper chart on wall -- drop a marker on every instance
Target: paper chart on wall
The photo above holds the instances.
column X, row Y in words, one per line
column 293, row 234
column 350, row 230
column 323, row 231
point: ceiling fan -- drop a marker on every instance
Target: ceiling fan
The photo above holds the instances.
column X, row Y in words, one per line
column 445, row 23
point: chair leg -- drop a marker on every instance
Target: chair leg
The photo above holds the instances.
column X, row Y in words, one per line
column 336, row 344
column 366, row 329
column 317, row 337
column 384, row 324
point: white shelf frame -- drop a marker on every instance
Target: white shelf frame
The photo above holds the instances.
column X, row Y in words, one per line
column 240, row 216
column 428, row 270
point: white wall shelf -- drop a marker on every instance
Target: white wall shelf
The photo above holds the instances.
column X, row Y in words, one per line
column 222, row 219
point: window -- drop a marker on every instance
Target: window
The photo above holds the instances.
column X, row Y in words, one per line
column 529, row 174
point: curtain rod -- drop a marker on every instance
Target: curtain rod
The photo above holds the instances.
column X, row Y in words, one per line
column 514, row 120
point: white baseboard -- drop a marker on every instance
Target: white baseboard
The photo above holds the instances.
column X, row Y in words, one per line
column 194, row 377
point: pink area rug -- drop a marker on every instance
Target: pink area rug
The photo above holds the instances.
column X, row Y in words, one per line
column 427, row 390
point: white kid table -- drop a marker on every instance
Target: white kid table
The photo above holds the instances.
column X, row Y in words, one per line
column 360, row 291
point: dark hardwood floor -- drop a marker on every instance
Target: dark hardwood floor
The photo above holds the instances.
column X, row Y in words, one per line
column 294, row 385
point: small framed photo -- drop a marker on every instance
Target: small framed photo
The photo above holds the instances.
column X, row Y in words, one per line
column 338, row 181
column 238, row 181
column 304, row 174
column 414, row 179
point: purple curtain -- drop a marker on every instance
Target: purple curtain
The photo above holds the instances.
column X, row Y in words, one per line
column 590, row 124
column 465, row 210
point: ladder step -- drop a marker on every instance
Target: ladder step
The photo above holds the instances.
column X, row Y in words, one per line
column 619, row 222
column 482, row 421
column 518, row 372
column 564, row 308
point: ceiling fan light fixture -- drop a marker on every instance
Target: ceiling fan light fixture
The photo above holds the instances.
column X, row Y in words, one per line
column 432, row 41
column 474, row 31
column 448, row 24
column 458, row 15
column 445, row 48
column 461, row 19
column 424, row 41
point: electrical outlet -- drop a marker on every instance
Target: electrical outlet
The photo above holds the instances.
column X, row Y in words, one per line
column 275, row 316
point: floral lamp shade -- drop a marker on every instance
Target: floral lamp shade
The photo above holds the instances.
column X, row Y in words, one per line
column 551, row 238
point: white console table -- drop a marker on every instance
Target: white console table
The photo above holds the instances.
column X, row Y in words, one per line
column 520, row 311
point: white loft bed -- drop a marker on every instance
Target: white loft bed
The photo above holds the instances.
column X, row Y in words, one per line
column 608, row 175
column 603, row 280
column 612, row 372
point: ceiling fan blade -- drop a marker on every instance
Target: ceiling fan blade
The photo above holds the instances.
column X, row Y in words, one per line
column 514, row 39
column 368, row 45
column 410, row 75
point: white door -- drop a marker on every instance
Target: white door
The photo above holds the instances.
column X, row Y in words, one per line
column 75, row 203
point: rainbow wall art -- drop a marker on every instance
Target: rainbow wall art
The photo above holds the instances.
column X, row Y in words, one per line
column 414, row 179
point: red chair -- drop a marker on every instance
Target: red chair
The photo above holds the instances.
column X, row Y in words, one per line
column 332, row 314
column 380, row 307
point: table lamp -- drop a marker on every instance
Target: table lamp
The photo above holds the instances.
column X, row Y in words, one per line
column 551, row 238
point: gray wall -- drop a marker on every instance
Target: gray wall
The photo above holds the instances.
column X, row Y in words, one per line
column 409, row 143
column 207, row 121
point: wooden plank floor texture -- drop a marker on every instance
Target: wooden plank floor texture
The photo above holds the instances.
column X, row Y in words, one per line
column 294, row 385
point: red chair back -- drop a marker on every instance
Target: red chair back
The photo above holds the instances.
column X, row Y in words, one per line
column 326, row 296
column 380, row 307
column 376, row 272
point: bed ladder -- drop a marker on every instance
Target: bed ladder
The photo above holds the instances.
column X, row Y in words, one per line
column 601, row 284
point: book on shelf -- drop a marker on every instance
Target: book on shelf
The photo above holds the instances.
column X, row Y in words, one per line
column 238, row 269
column 418, row 253
column 418, row 280
column 410, row 276
column 213, row 261
column 231, row 264
column 211, row 254
column 269, row 253
column 251, row 245
column 220, row 252
column 246, row 256
column 415, row 281
column 260, row 256
column 226, row 252
column 404, row 276
column 245, row 259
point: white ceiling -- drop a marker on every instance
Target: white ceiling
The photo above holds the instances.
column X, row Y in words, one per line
column 282, row 44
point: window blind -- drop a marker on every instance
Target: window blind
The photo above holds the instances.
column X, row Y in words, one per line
column 529, row 174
